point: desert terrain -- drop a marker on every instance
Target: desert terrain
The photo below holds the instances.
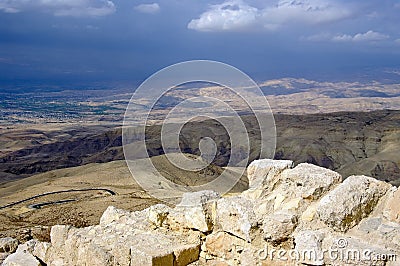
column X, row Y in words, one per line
column 352, row 128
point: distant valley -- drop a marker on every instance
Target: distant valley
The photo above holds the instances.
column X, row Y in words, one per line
column 99, row 105
column 351, row 127
column 348, row 142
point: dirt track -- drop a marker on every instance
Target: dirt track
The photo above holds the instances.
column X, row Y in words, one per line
column 56, row 192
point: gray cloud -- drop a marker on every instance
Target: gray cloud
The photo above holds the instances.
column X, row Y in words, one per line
column 148, row 8
column 76, row 8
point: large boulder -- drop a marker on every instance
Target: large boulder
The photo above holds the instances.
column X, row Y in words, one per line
column 21, row 258
column 311, row 181
column 262, row 172
column 197, row 209
column 222, row 245
column 355, row 251
column 36, row 248
column 324, row 247
column 235, row 215
column 293, row 190
column 379, row 231
column 199, row 198
column 350, row 202
column 158, row 214
column 125, row 239
column 112, row 214
column 278, row 227
column 392, row 207
column 309, row 247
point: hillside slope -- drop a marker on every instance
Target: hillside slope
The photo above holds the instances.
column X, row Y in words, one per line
column 82, row 208
column 348, row 142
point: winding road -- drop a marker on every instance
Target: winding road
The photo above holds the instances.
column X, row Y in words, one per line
column 55, row 192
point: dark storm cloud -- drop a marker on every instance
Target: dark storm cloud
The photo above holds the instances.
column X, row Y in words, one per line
column 113, row 40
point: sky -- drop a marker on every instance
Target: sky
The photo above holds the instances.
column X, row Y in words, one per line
column 83, row 41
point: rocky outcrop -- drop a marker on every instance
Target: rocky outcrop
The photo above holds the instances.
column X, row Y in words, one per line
column 235, row 215
column 303, row 215
column 30, row 253
column 261, row 171
column 279, row 226
column 351, row 201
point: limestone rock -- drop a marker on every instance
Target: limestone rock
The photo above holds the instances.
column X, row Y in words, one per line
column 223, row 245
column 302, row 211
column 392, row 208
column 354, row 251
column 279, row 226
column 40, row 250
column 197, row 209
column 295, row 190
column 137, row 220
column 28, row 246
column 150, row 249
column 21, row 258
column 379, row 231
column 235, row 215
column 262, row 172
column 59, row 234
column 112, row 214
column 312, row 181
column 176, row 221
column 198, row 218
column 158, row 214
column 309, row 214
column 200, row 198
column 370, row 225
column 8, row 245
column 309, row 247
column 140, row 258
column 186, row 254
column 121, row 241
column 351, row 201
column 32, row 248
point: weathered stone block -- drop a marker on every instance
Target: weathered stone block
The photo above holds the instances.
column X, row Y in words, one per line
column 279, row 226
column 350, row 202
column 262, row 172
column 311, row 180
column 235, row 215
